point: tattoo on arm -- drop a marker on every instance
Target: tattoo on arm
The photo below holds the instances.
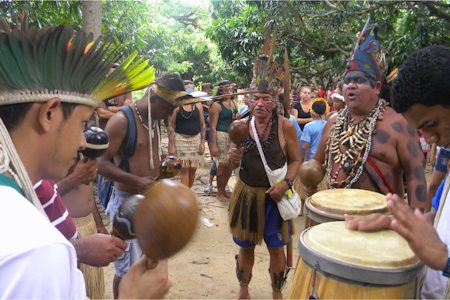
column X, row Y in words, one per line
column 413, row 149
column 382, row 136
column 398, row 127
column 421, row 193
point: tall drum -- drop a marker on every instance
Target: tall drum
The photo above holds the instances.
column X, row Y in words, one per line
column 331, row 205
column 341, row 263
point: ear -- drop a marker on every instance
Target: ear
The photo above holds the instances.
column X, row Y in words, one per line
column 48, row 113
column 378, row 86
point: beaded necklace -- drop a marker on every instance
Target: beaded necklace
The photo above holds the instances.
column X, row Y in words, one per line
column 140, row 117
column 261, row 136
column 187, row 114
column 356, row 137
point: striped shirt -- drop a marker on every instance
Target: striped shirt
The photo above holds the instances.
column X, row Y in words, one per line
column 47, row 192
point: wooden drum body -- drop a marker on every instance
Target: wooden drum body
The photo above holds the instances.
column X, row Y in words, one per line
column 340, row 263
column 331, row 205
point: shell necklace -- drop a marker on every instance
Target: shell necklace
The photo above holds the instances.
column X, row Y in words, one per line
column 357, row 141
column 140, row 117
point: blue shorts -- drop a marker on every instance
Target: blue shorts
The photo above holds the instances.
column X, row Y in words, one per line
column 272, row 227
column 133, row 252
column 442, row 160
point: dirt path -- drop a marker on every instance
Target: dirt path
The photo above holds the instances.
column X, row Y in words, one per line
column 206, row 267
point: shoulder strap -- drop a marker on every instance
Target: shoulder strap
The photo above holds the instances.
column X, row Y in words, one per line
column 129, row 145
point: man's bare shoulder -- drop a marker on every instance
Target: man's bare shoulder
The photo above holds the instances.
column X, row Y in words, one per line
column 396, row 123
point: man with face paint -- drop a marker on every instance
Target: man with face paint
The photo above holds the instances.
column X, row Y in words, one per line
column 253, row 212
column 368, row 145
column 421, row 95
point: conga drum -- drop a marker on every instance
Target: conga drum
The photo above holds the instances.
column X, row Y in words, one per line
column 341, row 263
column 331, row 205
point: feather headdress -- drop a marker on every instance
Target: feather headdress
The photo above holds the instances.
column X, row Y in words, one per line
column 367, row 55
column 268, row 76
column 38, row 64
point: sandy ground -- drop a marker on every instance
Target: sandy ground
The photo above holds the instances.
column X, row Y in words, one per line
column 205, row 268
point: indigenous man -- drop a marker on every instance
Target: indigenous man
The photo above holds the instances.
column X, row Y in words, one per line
column 134, row 152
column 368, row 145
column 421, row 95
column 50, row 83
column 253, row 212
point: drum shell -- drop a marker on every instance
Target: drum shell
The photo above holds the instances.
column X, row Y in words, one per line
column 314, row 215
column 331, row 287
column 336, row 279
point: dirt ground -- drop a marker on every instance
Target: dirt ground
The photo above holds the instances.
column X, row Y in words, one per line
column 205, row 268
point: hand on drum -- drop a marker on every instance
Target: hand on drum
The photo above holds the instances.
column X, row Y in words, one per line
column 420, row 234
column 369, row 223
column 234, row 155
column 143, row 283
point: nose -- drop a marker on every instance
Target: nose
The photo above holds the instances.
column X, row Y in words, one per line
column 83, row 143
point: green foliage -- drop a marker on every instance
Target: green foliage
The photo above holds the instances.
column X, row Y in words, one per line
column 321, row 35
column 169, row 33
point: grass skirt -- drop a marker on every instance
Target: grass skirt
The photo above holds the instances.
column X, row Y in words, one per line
column 187, row 150
column 246, row 214
column 223, row 144
column 93, row 276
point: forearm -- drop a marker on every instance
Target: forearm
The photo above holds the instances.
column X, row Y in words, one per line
column 68, row 183
column 114, row 173
column 292, row 169
column 213, row 133
column 304, row 120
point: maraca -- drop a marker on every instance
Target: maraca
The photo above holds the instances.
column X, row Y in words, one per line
column 96, row 142
column 123, row 220
column 163, row 220
column 238, row 132
column 169, row 168
column 166, row 219
column 311, row 173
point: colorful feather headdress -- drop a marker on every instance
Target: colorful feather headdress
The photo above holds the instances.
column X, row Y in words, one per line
column 38, row 64
column 367, row 56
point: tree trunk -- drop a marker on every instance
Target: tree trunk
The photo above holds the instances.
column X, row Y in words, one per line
column 92, row 17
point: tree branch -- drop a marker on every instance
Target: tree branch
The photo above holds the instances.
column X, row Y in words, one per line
column 434, row 11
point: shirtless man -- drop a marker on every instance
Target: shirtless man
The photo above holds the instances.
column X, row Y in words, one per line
column 77, row 193
column 134, row 172
column 421, row 95
column 368, row 145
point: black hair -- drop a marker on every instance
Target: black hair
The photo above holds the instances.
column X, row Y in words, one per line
column 319, row 107
column 423, row 79
column 13, row 114
column 170, row 81
column 220, row 85
column 207, row 84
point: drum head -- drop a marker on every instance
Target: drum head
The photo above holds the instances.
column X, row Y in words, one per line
column 337, row 202
column 382, row 257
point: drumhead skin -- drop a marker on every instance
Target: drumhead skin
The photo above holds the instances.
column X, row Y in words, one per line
column 382, row 257
column 347, row 201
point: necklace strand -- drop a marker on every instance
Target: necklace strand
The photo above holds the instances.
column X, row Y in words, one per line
column 358, row 137
column 140, row 117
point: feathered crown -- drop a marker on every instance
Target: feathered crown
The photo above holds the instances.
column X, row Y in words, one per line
column 268, row 76
column 367, row 56
column 37, row 64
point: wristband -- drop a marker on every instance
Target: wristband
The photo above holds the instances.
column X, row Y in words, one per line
column 446, row 271
column 289, row 183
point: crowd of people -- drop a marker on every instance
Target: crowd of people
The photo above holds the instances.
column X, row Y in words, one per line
column 362, row 140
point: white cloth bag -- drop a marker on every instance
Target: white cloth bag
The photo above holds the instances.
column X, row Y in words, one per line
column 289, row 206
